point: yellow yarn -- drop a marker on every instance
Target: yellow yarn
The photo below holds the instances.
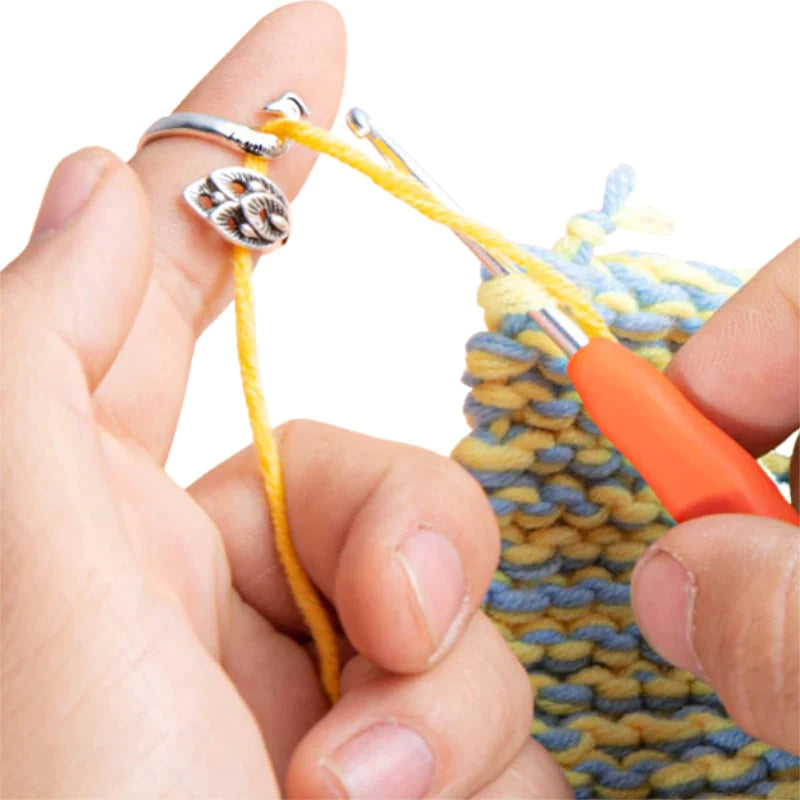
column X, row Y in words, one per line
column 510, row 292
column 409, row 191
column 303, row 591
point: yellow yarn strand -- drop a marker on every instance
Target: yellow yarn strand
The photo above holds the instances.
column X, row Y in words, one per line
column 303, row 591
column 409, row 191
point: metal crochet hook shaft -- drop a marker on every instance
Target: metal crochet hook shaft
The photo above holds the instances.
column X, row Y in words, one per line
column 562, row 330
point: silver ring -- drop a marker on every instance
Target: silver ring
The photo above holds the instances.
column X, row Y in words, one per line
column 241, row 204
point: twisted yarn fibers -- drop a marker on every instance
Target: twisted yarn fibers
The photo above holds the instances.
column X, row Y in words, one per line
column 303, row 591
column 574, row 516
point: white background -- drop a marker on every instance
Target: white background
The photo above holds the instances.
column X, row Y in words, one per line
column 518, row 108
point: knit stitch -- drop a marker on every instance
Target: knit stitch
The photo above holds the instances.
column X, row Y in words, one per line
column 574, row 516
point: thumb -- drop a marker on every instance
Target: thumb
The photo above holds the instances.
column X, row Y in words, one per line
column 720, row 597
column 84, row 272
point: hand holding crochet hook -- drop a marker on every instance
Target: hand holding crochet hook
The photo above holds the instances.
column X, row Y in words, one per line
column 720, row 595
column 732, row 394
column 150, row 644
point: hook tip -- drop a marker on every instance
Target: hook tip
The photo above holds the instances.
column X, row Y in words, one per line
column 359, row 122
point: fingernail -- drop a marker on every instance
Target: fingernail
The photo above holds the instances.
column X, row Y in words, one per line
column 70, row 187
column 386, row 760
column 663, row 599
column 434, row 570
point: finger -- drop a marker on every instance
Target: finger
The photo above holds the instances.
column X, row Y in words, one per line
column 179, row 547
column 70, row 595
column 742, row 368
column 720, row 597
column 299, row 47
column 83, row 275
column 387, row 531
column 276, row 678
column 440, row 733
column 532, row 774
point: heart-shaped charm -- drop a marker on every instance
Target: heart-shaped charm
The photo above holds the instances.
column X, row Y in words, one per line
column 243, row 206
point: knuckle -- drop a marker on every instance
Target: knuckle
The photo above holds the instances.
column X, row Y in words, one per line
column 443, row 477
column 291, row 429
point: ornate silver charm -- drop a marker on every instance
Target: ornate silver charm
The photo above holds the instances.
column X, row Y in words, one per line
column 243, row 206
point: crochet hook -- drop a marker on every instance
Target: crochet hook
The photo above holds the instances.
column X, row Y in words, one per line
column 692, row 465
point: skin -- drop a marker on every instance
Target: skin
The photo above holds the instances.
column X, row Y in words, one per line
column 720, row 596
column 149, row 642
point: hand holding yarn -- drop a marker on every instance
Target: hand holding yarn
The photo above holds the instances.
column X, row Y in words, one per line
column 720, row 596
column 150, row 643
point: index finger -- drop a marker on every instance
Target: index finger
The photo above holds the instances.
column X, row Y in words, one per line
column 742, row 369
column 402, row 541
column 300, row 47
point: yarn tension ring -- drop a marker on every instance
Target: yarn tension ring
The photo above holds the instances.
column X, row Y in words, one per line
column 240, row 203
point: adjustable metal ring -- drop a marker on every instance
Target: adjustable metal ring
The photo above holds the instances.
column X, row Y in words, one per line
column 241, row 204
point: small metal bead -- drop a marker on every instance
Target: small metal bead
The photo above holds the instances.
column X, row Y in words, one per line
column 246, row 229
column 217, row 197
column 255, row 186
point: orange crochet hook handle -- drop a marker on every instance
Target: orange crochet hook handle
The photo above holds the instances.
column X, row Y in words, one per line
column 693, row 467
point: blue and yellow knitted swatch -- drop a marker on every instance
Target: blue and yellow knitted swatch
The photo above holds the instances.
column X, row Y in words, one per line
column 574, row 516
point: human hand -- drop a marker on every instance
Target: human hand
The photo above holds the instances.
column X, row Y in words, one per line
column 720, row 595
column 150, row 645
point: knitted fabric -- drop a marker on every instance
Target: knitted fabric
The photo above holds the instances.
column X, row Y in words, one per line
column 574, row 516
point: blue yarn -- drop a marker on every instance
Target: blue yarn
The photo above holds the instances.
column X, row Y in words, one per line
column 662, row 703
column 571, row 694
column 503, row 346
column 564, row 666
column 559, row 739
column 543, row 637
column 610, row 777
column 619, row 185
column 606, row 636
column 778, row 760
column 566, row 495
column 479, row 413
column 557, row 408
column 688, row 789
column 754, row 775
column 597, row 470
column 730, row 739
column 721, row 275
column 533, row 573
column 501, row 507
column 617, row 706
column 558, row 454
